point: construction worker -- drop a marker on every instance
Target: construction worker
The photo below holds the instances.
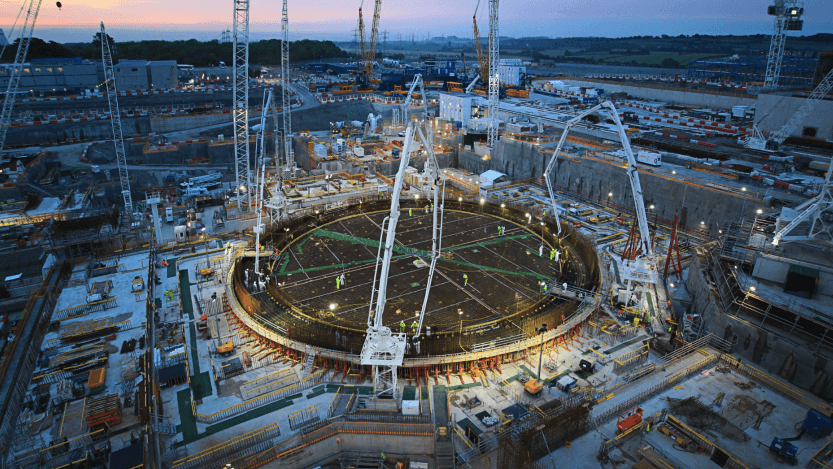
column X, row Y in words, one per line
column 541, row 251
column 543, row 287
column 338, row 283
column 426, row 208
column 557, row 255
column 465, row 280
column 552, row 254
column 401, row 326
column 343, row 279
column 410, row 212
column 414, row 326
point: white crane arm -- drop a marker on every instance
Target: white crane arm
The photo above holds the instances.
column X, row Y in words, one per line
column 551, row 164
column 636, row 187
column 406, row 106
column 436, row 243
column 374, row 321
column 261, row 128
column 472, row 84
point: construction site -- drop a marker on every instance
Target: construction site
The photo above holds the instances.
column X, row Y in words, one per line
column 418, row 265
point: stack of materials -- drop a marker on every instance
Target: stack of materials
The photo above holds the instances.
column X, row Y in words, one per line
column 64, row 390
column 101, row 410
column 96, row 381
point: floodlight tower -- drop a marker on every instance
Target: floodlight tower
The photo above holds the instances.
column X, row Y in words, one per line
column 494, row 79
column 787, row 15
column 240, row 110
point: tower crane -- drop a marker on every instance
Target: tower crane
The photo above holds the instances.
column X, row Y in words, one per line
column 115, row 120
column 494, row 79
column 240, row 111
column 787, row 15
column 640, row 270
column 288, row 153
column 17, row 68
column 757, row 141
column 384, row 349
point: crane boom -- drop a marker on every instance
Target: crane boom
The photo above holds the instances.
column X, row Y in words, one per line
column 494, row 78
column 17, row 68
column 633, row 174
column 407, row 104
column 437, row 229
column 115, row 120
column 261, row 130
column 383, row 349
column 482, row 61
column 374, row 36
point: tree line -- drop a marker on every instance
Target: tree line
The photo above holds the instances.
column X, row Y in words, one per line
column 192, row 52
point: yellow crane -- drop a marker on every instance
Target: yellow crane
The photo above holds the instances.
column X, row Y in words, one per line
column 482, row 60
column 368, row 50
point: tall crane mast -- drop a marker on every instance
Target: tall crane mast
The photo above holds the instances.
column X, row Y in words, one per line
column 494, row 79
column 787, row 15
column 285, row 98
column 115, row 120
column 17, row 68
column 240, row 111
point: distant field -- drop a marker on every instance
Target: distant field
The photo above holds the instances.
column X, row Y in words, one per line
column 646, row 59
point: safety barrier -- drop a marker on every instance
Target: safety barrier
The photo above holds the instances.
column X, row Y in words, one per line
column 232, row 446
column 246, row 406
column 631, row 359
column 87, row 308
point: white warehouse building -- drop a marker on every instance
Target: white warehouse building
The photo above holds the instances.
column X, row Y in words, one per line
column 460, row 107
column 511, row 74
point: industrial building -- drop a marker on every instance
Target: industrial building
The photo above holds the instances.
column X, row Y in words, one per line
column 77, row 76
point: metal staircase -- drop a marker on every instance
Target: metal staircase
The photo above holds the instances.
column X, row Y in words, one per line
column 309, row 361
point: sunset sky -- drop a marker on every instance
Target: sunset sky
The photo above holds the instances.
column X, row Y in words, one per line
column 334, row 19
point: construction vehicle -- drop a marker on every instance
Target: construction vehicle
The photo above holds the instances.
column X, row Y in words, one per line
column 784, row 449
column 534, row 387
column 226, row 348
column 629, row 419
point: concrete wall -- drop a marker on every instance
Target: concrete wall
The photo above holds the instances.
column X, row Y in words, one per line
column 162, row 125
column 49, row 134
column 692, row 203
column 679, row 97
column 774, row 110
column 791, row 359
